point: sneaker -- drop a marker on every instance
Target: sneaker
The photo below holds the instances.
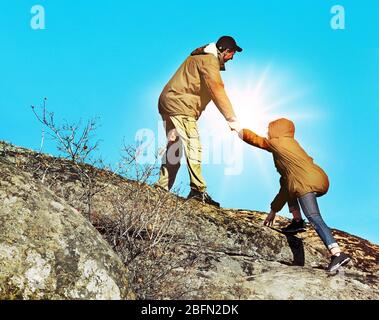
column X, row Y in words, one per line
column 294, row 227
column 202, row 197
column 338, row 261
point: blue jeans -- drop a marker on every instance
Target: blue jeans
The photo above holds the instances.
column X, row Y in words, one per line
column 311, row 210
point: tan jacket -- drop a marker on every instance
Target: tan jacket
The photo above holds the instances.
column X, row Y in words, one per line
column 299, row 174
column 195, row 84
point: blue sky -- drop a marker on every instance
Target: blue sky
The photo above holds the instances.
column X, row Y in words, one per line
column 111, row 59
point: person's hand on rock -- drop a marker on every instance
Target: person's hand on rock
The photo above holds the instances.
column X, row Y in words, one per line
column 270, row 219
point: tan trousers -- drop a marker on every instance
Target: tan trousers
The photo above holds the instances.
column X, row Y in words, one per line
column 182, row 134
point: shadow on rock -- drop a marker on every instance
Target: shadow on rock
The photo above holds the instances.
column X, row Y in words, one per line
column 297, row 248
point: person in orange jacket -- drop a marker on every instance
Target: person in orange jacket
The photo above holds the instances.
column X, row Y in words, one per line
column 302, row 181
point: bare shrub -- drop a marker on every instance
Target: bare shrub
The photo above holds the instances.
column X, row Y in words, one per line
column 73, row 140
column 77, row 144
column 144, row 231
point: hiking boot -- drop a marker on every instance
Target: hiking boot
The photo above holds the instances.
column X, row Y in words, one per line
column 338, row 261
column 202, row 197
column 294, row 227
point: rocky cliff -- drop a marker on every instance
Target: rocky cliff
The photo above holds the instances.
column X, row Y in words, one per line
column 135, row 241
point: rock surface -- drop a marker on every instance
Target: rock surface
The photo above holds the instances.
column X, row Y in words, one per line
column 215, row 253
column 48, row 250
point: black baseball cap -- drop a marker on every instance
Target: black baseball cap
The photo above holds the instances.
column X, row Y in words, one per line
column 227, row 42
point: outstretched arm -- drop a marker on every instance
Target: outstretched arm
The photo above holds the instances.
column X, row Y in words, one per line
column 253, row 139
column 209, row 69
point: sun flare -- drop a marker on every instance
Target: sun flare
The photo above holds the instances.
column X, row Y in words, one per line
column 259, row 96
column 261, row 99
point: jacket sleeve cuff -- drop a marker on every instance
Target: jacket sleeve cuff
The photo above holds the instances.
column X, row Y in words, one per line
column 278, row 203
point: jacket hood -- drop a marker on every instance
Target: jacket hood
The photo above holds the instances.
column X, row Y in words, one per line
column 281, row 128
column 210, row 49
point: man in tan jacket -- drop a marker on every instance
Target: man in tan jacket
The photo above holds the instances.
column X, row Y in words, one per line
column 181, row 103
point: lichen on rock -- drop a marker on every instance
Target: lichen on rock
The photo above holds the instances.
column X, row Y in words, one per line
column 48, row 250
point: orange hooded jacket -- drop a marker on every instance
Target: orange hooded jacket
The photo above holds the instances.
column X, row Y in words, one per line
column 299, row 174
